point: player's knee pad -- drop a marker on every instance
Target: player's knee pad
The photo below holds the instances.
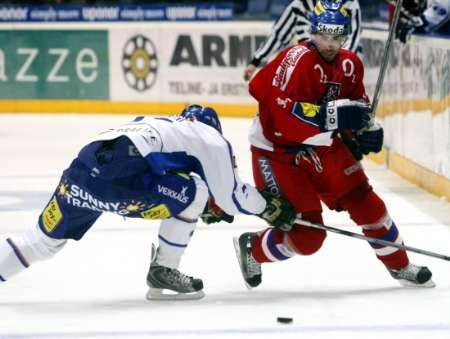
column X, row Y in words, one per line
column 306, row 240
column 34, row 245
column 192, row 212
column 364, row 206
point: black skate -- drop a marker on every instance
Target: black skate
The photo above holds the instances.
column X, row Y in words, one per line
column 251, row 270
column 413, row 276
column 167, row 283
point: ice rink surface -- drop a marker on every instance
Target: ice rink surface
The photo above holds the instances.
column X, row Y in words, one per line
column 96, row 288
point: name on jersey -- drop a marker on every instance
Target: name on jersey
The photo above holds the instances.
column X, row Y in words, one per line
column 180, row 196
column 286, row 68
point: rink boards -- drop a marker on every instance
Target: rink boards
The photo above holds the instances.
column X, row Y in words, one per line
column 158, row 67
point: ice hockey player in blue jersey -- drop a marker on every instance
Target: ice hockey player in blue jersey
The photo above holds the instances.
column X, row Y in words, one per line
column 176, row 169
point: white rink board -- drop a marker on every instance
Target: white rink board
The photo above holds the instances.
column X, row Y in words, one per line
column 95, row 288
column 194, row 62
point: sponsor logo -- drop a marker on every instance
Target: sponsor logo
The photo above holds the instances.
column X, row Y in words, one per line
column 168, row 192
column 330, row 29
column 100, row 13
column 13, row 14
column 157, row 212
column 269, row 179
column 140, row 63
column 132, row 206
column 52, row 215
column 352, row 169
column 78, row 197
column 286, row 68
column 331, row 123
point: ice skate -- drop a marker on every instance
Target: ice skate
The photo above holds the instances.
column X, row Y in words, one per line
column 413, row 276
column 251, row 270
column 167, row 283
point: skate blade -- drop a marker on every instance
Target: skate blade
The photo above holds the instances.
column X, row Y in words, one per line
column 164, row 294
column 237, row 250
column 406, row 283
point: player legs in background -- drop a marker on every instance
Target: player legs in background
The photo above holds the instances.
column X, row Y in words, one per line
column 339, row 180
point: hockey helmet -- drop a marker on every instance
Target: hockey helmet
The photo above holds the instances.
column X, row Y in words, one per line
column 330, row 17
column 206, row 115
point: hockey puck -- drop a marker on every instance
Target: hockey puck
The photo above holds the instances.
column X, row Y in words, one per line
column 284, row 320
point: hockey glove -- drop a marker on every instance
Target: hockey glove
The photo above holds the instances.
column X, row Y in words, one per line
column 343, row 114
column 371, row 140
column 213, row 213
column 278, row 212
column 352, row 145
column 406, row 27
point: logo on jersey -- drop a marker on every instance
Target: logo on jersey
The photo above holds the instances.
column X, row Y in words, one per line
column 180, row 196
column 286, row 68
column 132, row 206
column 51, row 216
column 352, row 169
column 283, row 102
column 158, row 212
column 139, row 63
column 63, row 188
column 332, row 91
column 78, row 197
column 269, row 178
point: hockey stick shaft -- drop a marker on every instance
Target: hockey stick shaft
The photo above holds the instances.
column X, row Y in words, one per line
column 372, row 240
column 385, row 58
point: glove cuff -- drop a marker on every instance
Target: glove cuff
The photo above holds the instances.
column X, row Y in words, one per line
column 328, row 116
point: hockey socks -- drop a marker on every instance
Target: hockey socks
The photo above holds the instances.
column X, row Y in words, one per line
column 12, row 260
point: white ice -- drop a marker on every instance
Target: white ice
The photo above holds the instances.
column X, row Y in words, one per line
column 95, row 288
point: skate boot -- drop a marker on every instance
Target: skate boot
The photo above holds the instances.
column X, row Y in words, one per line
column 413, row 276
column 251, row 270
column 167, row 283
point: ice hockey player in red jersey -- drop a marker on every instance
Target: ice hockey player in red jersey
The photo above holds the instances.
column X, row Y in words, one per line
column 313, row 126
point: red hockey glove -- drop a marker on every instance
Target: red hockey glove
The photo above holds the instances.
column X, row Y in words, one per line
column 213, row 213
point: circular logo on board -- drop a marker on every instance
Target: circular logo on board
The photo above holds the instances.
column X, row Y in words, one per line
column 140, row 63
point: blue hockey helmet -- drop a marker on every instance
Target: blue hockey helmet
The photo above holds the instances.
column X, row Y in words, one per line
column 330, row 17
column 206, row 115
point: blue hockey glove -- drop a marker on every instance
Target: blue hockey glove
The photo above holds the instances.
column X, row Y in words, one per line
column 371, row 140
column 343, row 114
column 278, row 212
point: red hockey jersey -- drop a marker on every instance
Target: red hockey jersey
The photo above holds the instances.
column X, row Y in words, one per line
column 300, row 74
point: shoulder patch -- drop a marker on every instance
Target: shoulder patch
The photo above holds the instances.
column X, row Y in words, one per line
column 286, row 67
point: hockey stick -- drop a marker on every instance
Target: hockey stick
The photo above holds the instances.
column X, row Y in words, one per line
column 385, row 58
column 372, row 240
